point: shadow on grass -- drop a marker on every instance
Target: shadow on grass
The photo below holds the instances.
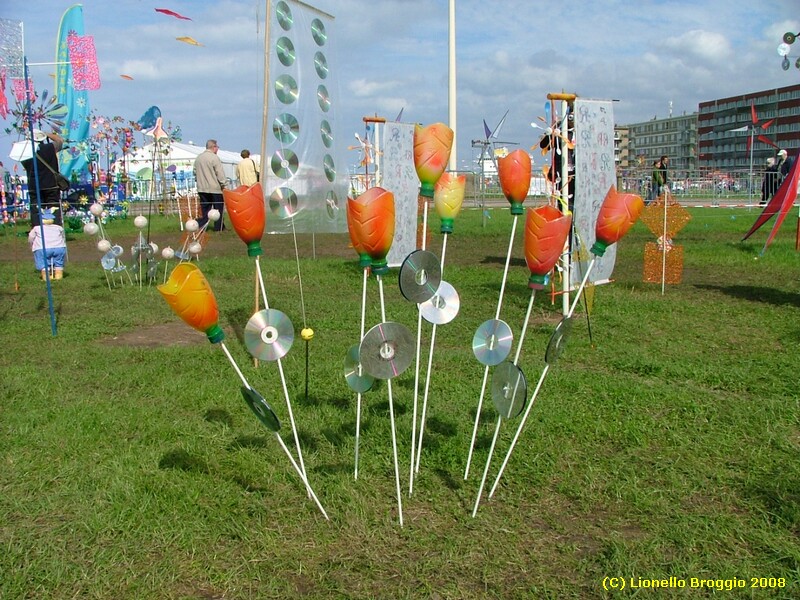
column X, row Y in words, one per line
column 183, row 461
column 218, row 415
column 756, row 294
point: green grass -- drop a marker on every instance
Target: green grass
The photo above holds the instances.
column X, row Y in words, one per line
column 667, row 445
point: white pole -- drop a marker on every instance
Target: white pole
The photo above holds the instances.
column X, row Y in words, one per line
column 452, row 87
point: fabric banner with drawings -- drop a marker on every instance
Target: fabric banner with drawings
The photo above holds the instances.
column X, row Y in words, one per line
column 595, row 172
column 305, row 177
column 400, row 178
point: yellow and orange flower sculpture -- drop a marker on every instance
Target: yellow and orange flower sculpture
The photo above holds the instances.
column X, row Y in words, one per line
column 247, row 212
column 189, row 295
column 617, row 215
column 514, row 172
column 432, row 145
column 448, row 196
column 371, row 224
column 546, row 230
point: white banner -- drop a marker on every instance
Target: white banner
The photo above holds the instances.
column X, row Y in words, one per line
column 595, row 172
column 400, row 178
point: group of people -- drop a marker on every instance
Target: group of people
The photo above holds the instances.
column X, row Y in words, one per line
column 777, row 170
column 211, row 180
column 47, row 237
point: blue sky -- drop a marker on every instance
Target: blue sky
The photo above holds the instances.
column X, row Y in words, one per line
column 392, row 54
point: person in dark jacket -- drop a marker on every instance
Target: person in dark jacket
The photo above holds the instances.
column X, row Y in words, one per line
column 46, row 148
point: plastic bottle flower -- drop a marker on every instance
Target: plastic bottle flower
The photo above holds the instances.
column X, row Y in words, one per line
column 352, row 228
column 189, row 295
column 371, row 225
column 247, row 211
column 514, row 171
column 432, row 145
column 546, row 230
column 448, row 196
column 617, row 215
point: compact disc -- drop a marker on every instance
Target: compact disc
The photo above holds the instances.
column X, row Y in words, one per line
column 331, row 204
column 325, row 133
column 261, row 409
column 789, row 37
column 558, row 341
column 318, row 32
column 492, row 342
column 358, row 380
column 283, row 202
column 509, row 389
column 286, row 128
column 284, row 163
column 386, row 350
column 323, row 98
column 321, row 65
column 284, row 15
column 108, row 260
column 420, row 276
column 329, row 168
column 268, row 334
column 285, row 50
column 286, row 89
column 442, row 306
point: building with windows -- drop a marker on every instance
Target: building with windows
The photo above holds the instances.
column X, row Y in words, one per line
column 675, row 137
column 724, row 127
column 621, row 150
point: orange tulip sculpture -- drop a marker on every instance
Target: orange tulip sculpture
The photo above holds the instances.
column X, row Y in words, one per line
column 546, row 230
column 448, row 196
column 247, row 212
column 514, row 172
column 371, row 225
column 617, row 215
column 353, row 228
column 189, row 295
column 432, row 146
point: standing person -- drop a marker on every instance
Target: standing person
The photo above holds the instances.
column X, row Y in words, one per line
column 247, row 170
column 784, row 164
column 660, row 181
column 54, row 250
column 210, row 180
column 46, row 148
column 770, row 183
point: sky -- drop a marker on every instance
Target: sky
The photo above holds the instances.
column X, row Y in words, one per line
column 652, row 57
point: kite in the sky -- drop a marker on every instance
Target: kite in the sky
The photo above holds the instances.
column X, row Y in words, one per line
column 188, row 40
column 172, row 13
column 128, row 77
column 149, row 118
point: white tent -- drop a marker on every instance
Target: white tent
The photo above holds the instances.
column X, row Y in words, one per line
column 177, row 158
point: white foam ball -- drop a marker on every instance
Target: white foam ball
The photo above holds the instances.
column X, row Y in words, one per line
column 192, row 225
column 213, row 215
column 140, row 221
column 195, row 247
column 168, row 253
column 90, row 228
column 104, row 246
column 96, row 209
column 154, row 246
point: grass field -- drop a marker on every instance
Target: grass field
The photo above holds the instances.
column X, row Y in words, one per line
column 666, row 446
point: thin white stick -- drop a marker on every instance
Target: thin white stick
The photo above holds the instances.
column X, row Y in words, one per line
column 261, row 282
column 235, row 366
column 582, row 285
column 524, row 327
column 477, row 420
column 416, row 362
column 519, row 428
column 291, row 415
column 299, row 274
column 486, row 371
column 302, row 476
column 486, row 469
column 360, row 339
column 428, row 372
column 664, row 241
column 391, row 416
